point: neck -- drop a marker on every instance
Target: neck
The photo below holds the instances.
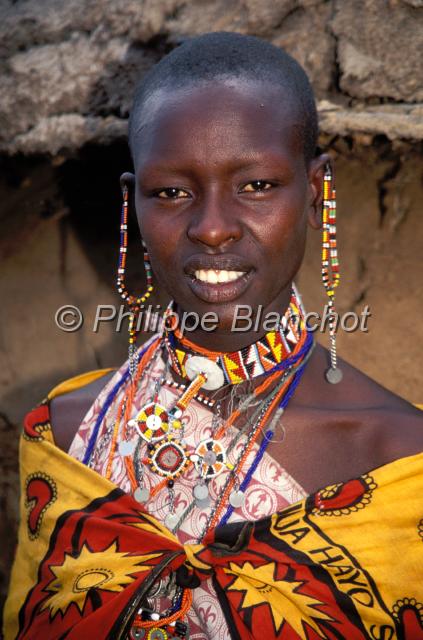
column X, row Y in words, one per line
column 223, row 340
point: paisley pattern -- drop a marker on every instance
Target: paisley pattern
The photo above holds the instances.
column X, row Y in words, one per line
column 344, row 498
column 40, row 493
column 270, row 490
column 35, row 426
column 409, row 614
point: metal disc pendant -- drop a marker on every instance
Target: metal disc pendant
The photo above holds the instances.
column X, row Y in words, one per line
column 237, row 499
column 200, row 491
column 171, row 520
column 197, row 364
column 126, row 448
column 141, row 494
column 203, row 504
column 334, row 375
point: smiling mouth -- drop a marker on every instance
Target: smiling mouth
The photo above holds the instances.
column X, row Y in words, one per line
column 219, row 286
column 218, row 276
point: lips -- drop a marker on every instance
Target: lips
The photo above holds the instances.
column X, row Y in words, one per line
column 218, row 279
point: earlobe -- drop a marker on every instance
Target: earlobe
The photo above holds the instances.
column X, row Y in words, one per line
column 315, row 215
column 127, row 185
column 127, row 180
column 316, row 174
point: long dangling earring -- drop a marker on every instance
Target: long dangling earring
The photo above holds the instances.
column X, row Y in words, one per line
column 132, row 301
column 330, row 268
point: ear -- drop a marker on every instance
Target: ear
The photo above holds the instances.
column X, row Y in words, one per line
column 316, row 172
column 127, row 180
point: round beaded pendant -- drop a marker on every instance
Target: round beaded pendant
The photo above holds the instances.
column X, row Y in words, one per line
column 169, row 459
column 152, row 422
column 157, row 634
column 209, row 458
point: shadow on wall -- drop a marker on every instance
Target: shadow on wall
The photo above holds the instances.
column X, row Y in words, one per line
column 59, row 245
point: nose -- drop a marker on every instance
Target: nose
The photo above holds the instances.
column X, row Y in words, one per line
column 214, row 224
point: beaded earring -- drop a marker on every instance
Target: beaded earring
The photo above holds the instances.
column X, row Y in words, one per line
column 134, row 302
column 330, row 267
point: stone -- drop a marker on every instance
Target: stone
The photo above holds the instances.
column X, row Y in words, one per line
column 316, row 52
column 380, row 49
column 68, row 70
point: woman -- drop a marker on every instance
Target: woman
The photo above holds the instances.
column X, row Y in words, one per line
column 175, row 496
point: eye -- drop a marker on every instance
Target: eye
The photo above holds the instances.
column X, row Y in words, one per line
column 257, row 186
column 171, row 193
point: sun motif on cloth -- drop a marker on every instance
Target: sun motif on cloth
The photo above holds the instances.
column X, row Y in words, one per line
column 109, row 570
column 260, row 586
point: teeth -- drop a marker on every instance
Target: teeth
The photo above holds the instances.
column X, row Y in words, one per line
column 217, row 276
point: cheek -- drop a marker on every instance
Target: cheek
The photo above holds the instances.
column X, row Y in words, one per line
column 162, row 239
column 283, row 234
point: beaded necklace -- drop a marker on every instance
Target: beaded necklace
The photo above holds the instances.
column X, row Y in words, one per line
column 172, row 620
column 269, row 353
column 159, row 432
column 154, row 437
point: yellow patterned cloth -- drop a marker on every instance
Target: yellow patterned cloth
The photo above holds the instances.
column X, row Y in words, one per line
column 346, row 562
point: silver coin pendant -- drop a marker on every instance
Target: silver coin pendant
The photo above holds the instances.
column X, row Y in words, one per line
column 200, row 491
column 126, row 448
column 334, row 375
column 141, row 494
column 171, row 520
column 237, row 499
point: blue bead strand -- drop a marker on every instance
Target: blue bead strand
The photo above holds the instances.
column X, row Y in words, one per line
column 291, row 360
column 111, row 396
column 267, row 439
column 109, row 400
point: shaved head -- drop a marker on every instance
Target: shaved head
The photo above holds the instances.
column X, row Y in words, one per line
column 224, row 56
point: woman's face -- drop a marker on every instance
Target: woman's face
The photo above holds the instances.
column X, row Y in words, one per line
column 223, row 194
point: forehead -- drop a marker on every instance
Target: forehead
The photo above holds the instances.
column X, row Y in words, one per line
column 214, row 120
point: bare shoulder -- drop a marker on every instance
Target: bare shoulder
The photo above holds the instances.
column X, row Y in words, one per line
column 394, row 425
column 394, row 418
column 336, row 432
column 68, row 410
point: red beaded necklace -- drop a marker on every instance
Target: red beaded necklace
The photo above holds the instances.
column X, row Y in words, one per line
column 262, row 357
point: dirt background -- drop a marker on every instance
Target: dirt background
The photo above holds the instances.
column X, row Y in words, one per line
column 67, row 70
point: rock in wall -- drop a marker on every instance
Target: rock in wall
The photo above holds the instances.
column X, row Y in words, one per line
column 68, row 68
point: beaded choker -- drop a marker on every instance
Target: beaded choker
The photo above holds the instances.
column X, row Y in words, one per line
column 270, row 353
